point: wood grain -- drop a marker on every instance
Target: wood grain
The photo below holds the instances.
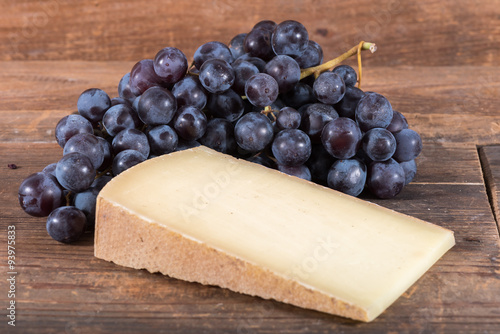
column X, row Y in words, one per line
column 490, row 158
column 429, row 32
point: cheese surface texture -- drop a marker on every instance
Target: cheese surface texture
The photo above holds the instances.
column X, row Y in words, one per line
column 203, row 216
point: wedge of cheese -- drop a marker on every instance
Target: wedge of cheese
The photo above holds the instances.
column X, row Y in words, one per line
column 206, row 217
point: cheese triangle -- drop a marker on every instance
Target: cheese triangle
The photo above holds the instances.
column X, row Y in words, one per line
column 202, row 216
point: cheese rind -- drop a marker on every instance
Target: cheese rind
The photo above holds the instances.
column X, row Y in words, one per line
column 206, row 217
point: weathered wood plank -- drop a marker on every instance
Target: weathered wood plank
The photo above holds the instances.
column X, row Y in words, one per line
column 63, row 287
column 443, row 104
column 490, row 158
column 429, row 32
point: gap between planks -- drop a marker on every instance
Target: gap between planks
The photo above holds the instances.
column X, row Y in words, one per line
column 490, row 184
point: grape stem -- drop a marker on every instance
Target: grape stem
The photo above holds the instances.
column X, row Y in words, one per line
column 356, row 50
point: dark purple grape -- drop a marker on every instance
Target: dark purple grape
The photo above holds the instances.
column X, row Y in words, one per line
column 71, row 125
column 219, row 136
column 261, row 90
column 118, row 100
column 118, row 118
column 258, row 62
column 131, row 139
column 75, row 172
column 39, row 194
column 298, row 171
column 373, row 111
column 50, row 169
column 315, row 117
column 312, row 55
column 162, row 139
column 385, row 179
column 185, row 145
column 216, row 75
column 66, row 224
column 124, row 89
column 170, row 64
column 410, row 169
column 347, row 73
column 288, row 118
column 266, row 25
column 253, row 132
column 347, row 176
column 190, row 123
column 85, row 201
column 301, row 94
column 379, row 144
column 341, row 138
column 319, row 164
column 291, row 147
column 101, row 181
column 157, row 106
column 87, row 145
column 347, row 106
column 285, row 71
column 93, row 103
column 236, row 45
column 263, row 160
column 329, row 88
column 409, row 145
column 125, row 160
column 189, row 92
column 398, row 122
column 143, row 77
column 243, row 70
column 108, row 155
column 257, row 43
column 289, row 38
column 228, row 105
column 212, row 50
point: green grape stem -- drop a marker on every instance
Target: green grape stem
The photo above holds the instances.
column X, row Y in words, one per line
column 356, row 50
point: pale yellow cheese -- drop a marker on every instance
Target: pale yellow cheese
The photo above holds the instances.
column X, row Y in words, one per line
column 203, row 216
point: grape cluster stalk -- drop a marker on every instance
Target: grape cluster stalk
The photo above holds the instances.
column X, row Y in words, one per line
column 266, row 97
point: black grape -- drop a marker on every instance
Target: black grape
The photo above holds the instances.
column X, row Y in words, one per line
column 379, row 144
column 93, row 103
column 315, row 117
column 288, row 118
column 373, row 111
column 71, row 125
column 118, row 118
column 291, row 147
column 162, row 139
column 39, row 194
column 398, row 122
column 170, row 64
column 126, row 159
column 236, row 45
column 261, row 90
column 75, row 172
column 87, row 145
column 285, row 71
column 212, row 50
column 189, row 92
column 243, row 70
column 219, row 136
column 289, row 38
column 329, row 88
column 341, row 138
column 312, row 55
column 253, row 132
column 347, row 176
column 157, row 106
column 228, row 105
column 66, row 224
column 257, row 43
column 301, row 171
column 190, row 123
column 409, row 145
column 347, row 106
column 143, row 77
column 385, row 179
column 131, row 139
column 410, row 169
column 347, row 74
column 216, row 75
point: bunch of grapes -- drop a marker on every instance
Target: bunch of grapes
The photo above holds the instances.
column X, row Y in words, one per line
column 255, row 98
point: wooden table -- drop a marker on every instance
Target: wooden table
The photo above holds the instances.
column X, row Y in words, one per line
column 439, row 73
